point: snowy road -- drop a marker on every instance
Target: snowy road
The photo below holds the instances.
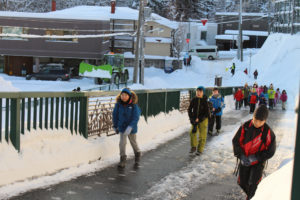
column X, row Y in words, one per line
column 168, row 172
column 156, row 165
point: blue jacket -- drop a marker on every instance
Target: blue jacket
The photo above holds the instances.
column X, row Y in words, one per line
column 125, row 115
column 218, row 104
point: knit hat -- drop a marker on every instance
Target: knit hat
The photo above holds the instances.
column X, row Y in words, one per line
column 127, row 91
column 201, row 88
column 261, row 113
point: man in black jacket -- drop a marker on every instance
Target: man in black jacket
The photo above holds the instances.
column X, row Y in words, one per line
column 254, row 143
column 198, row 113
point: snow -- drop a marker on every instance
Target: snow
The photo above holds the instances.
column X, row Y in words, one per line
column 247, row 32
column 276, row 62
column 6, row 86
column 130, row 55
column 97, row 73
column 230, row 37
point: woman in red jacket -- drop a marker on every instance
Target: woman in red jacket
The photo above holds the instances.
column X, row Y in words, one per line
column 254, row 143
column 238, row 96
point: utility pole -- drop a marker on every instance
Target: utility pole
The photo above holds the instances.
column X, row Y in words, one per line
column 137, row 46
column 240, row 50
column 142, row 43
column 269, row 17
column 293, row 17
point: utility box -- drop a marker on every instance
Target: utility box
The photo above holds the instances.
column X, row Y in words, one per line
column 218, row 81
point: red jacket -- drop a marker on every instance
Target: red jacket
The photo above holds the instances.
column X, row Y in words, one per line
column 248, row 141
column 239, row 95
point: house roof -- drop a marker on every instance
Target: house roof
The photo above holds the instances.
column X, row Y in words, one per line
column 230, row 37
column 247, row 32
column 91, row 13
column 243, row 14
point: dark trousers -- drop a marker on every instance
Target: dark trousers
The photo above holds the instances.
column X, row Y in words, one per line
column 238, row 104
column 252, row 107
column 271, row 103
column 245, row 102
column 212, row 122
column 249, row 178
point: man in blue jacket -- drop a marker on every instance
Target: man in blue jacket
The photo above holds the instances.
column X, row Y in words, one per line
column 218, row 104
column 126, row 115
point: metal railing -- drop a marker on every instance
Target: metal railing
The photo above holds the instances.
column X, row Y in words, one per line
column 86, row 113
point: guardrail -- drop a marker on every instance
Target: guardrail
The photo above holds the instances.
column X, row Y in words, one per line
column 86, row 113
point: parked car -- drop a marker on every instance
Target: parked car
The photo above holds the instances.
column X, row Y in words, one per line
column 50, row 74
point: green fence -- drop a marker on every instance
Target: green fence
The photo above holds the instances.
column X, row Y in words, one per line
column 26, row 111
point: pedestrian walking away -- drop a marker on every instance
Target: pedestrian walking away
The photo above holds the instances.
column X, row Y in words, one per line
column 253, row 144
column 218, row 104
column 277, row 96
column 198, row 114
column 283, row 98
column 255, row 74
column 233, row 69
column 126, row 115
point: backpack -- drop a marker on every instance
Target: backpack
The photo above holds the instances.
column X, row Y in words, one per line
column 253, row 98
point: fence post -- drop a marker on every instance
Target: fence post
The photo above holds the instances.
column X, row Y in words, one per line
column 84, row 120
column 15, row 123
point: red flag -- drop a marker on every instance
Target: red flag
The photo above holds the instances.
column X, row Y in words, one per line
column 246, row 71
column 203, row 21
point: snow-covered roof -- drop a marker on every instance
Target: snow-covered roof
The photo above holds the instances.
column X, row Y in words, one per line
column 230, row 37
column 243, row 14
column 247, row 32
column 91, row 13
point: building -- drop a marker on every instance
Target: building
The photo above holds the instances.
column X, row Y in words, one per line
column 71, row 35
column 255, row 27
column 43, row 38
column 287, row 16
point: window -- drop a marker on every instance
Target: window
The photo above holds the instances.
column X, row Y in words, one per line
column 61, row 33
column 13, row 30
column 255, row 26
column 205, row 50
column 229, row 25
column 203, row 35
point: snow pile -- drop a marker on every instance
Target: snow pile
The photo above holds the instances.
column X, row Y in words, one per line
column 6, row 86
column 48, row 152
column 272, row 186
column 97, row 73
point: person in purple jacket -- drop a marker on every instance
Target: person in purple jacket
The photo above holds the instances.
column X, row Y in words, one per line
column 283, row 98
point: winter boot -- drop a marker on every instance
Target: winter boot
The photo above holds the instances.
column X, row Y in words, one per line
column 193, row 149
column 210, row 133
column 137, row 157
column 122, row 162
column 218, row 131
column 198, row 153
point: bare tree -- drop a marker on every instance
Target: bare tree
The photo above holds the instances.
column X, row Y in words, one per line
column 178, row 40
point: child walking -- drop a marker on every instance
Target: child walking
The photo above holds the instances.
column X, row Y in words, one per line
column 283, row 98
column 198, row 114
column 253, row 98
column 238, row 96
column 126, row 115
column 253, row 144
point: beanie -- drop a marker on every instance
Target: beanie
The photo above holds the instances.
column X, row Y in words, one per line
column 201, row 88
column 127, row 91
column 261, row 113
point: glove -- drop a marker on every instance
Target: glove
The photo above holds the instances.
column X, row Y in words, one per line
column 252, row 158
column 194, row 130
column 128, row 130
column 116, row 130
column 245, row 161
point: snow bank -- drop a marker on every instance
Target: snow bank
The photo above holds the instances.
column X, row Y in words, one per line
column 44, row 153
column 6, row 86
column 272, row 187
